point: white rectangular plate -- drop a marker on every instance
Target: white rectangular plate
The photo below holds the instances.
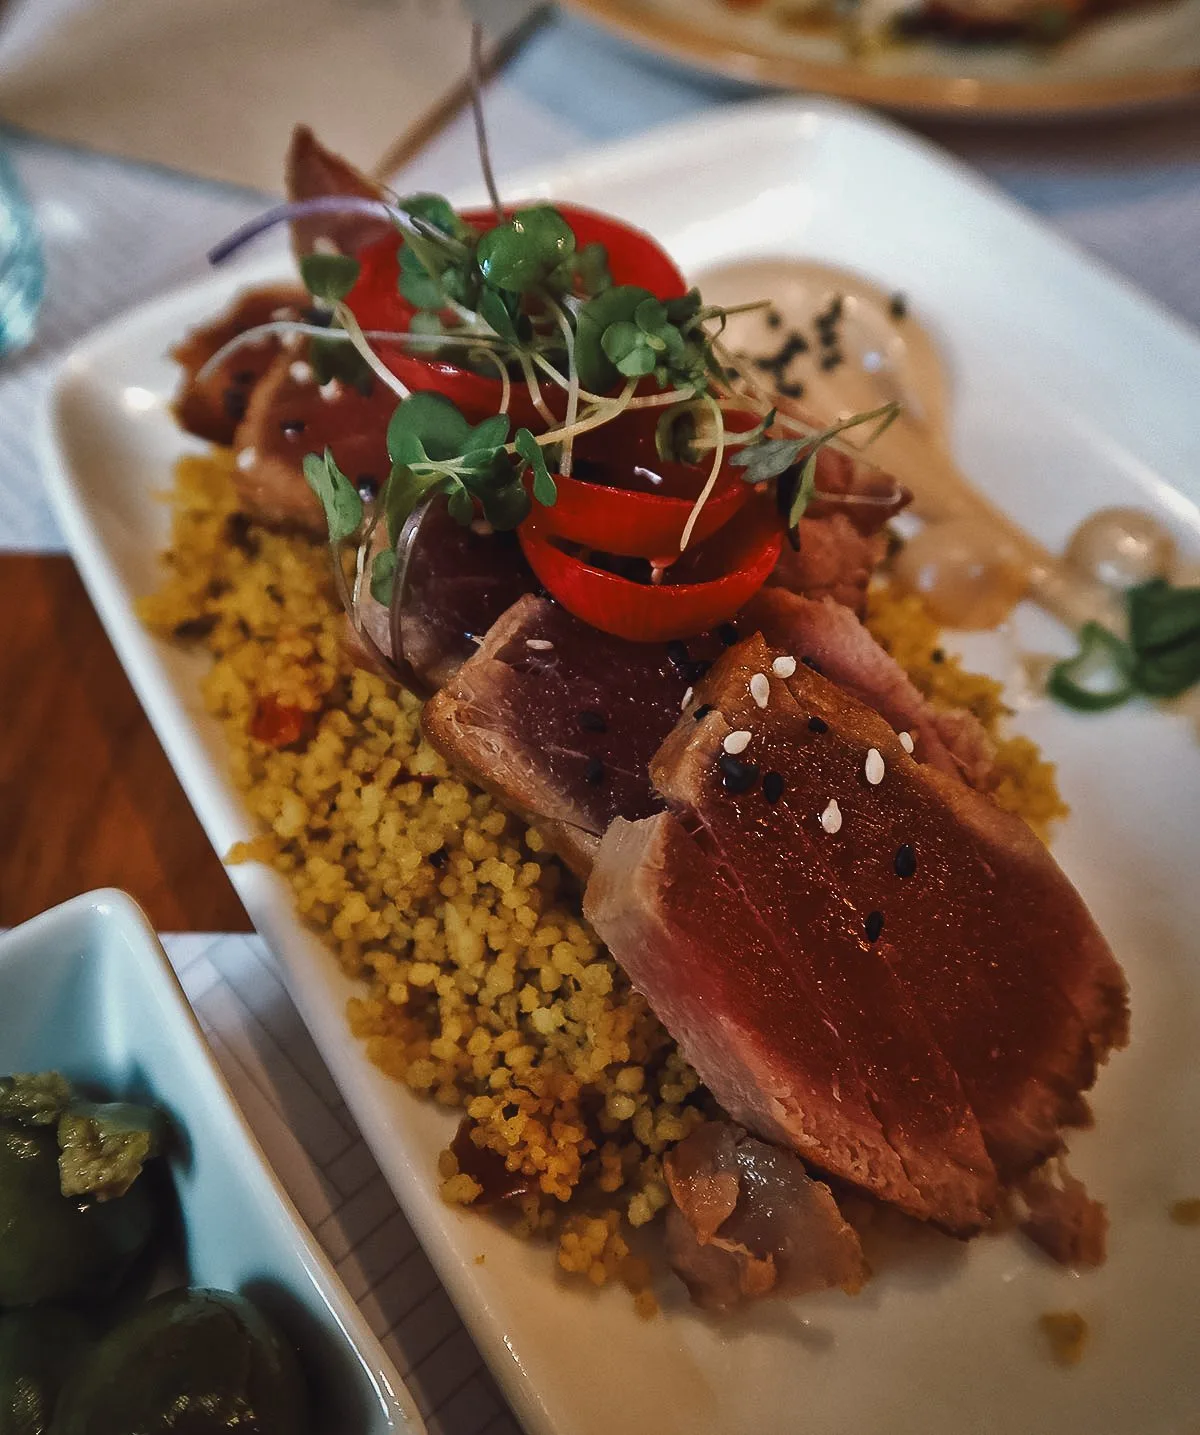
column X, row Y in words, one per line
column 1070, row 392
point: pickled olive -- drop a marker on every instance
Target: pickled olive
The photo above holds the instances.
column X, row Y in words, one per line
column 103, row 1147
column 191, row 1362
column 53, row 1247
column 39, row 1349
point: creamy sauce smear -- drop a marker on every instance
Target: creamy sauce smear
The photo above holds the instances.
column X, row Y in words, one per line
column 970, row 559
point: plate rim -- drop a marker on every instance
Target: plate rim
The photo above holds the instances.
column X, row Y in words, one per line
column 950, row 96
column 156, row 691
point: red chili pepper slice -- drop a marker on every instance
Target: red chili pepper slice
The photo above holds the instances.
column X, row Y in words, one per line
column 622, row 498
column 633, row 258
column 726, row 571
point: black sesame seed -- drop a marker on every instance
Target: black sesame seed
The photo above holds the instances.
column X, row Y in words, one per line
column 898, row 307
column 702, row 711
column 816, row 724
column 773, row 786
column 738, row 776
column 791, row 390
column 292, row 427
column 695, row 670
column 590, row 720
column 233, row 401
column 368, row 485
column 244, row 376
column 813, row 664
column 774, row 318
column 728, row 634
column 832, row 360
column 906, row 861
column 439, row 858
column 938, row 655
column 594, row 771
column 874, row 925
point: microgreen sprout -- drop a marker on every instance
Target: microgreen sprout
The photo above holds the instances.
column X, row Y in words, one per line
column 521, row 301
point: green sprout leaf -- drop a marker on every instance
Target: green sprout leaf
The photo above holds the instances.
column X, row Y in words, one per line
column 329, row 277
column 339, row 359
column 805, row 489
column 545, row 491
column 525, row 250
column 401, row 494
column 768, row 459
column 506, row 506
column 500, row 311
column 461, row 505
column 629, row 349
column 615, row 306
column 383, row 576
column 337, row 495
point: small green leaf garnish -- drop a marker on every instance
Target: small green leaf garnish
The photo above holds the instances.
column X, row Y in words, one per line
column 383, row 576
column 336, row 359
column 1098, row 677
column 805, row 489
column 337, row 495
column 545, row 491
column 526, row 249
column 329, row 277
column 1161, row 659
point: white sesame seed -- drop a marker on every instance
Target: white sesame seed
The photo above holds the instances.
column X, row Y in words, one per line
column 291, row 340
column 783, row 667
column 331, row 390
column 324, row 245
column 736, row 742
column 873, row 767
column 906, row 741
column 540, row 645
column 301, row 373
column 247, row 459
column 687, row 697
column 831, row 818
column 760, row 689
column 280, row 315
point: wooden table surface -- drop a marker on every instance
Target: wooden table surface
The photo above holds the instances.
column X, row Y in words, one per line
column 87, row 797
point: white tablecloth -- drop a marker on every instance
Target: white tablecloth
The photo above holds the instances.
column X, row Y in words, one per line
column 115, row 233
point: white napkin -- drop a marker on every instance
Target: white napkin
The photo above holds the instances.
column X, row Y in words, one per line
column 214, row 86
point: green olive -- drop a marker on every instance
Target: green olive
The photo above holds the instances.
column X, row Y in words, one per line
column 52, row 1247
column 192, row 1362
column 38, row 1350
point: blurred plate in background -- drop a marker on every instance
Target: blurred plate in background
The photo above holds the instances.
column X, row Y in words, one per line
column 1147, row 54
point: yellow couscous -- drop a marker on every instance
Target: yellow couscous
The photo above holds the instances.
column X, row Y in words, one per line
column 482, row 987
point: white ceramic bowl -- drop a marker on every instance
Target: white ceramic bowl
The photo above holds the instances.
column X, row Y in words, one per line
column 86, row 989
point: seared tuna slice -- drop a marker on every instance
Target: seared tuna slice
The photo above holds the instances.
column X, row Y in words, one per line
column 751, row 1022
column 212, row 409
column 826, row 635
column 560, row 720
column 749, row 1221
column 831, row 559
column 954, row 901
column 290, row 415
